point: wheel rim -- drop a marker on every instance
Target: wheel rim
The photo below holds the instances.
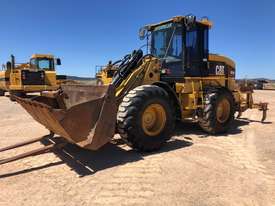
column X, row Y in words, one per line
column 153, row 119
column 223, row 110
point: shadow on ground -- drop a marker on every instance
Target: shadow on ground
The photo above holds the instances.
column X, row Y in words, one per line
column 193, row 128
column 86, row 162
column 251, row 120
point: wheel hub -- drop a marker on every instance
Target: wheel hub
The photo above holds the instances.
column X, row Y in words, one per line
column 223, row 111
column 153, row 119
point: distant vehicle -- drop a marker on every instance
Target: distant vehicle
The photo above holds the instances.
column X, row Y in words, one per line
column 35, row 76
column 269, row 86
column 259, row 84
column 104, row 74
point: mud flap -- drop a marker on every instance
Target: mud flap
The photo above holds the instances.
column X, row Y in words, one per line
column 83, row 114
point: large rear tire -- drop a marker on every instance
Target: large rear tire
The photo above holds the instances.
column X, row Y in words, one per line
column 218, row 113
column 145, row 118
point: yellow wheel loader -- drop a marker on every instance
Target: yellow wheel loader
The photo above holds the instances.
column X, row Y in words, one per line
column 104, row 75
column 35, row 76
column 178, row 80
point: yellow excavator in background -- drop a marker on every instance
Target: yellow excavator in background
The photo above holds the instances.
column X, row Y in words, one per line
column 35, row 76
column 178, row 80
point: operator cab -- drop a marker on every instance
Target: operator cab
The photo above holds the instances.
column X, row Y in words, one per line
column 182, row 45
column 44, row 62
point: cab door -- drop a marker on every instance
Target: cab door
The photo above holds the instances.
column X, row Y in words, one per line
column 196, row 51
column 173, row 61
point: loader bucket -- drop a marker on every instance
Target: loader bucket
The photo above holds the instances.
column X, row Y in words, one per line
column 83, row 114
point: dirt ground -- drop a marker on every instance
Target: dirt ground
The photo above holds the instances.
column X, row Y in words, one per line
column 191, row 169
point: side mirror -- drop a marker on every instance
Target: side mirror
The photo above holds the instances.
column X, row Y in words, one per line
column 142, row 33
column 58, row 61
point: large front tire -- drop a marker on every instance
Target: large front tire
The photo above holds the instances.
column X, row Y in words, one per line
column 15, row 93
column 2, row 93
column 145, row 118
column 218, row 113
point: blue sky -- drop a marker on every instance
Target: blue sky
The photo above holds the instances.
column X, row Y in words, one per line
column 87, row 33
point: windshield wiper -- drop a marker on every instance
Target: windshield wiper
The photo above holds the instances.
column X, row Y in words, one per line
column 169, row 44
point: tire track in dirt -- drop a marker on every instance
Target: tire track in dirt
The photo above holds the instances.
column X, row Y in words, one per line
column 131, row 184
column 225, row 170
column 242, row 150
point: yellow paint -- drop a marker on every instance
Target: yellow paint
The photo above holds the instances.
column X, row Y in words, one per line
column 178, row 19
column 11, row 79
column 206, row 22
column 152, row 74
column 141, row 76
column 153, row 119
column 46, row 56
column 220, row 58
column 33, row 88
column 3, row 83
column 50, row 78
column 103, row 77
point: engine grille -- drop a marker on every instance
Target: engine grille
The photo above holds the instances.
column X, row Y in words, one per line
column 33, row 78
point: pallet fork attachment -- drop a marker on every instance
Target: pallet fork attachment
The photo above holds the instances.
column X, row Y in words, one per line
column 34, row 152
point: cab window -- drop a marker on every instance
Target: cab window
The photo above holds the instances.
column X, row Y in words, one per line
column 44, row 64
column 167, row 42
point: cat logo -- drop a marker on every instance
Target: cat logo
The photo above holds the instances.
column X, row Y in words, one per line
column 220, row 70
